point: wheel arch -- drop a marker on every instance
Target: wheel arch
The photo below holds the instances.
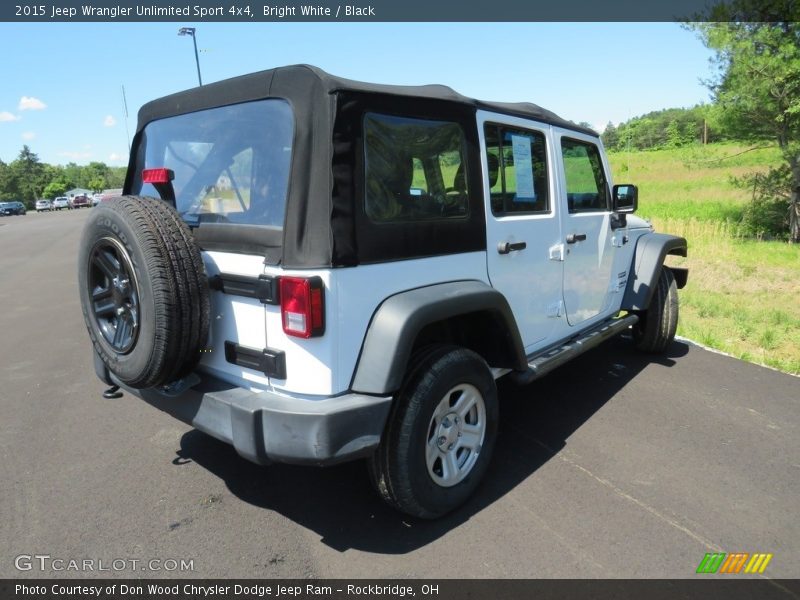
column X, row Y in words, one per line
column 648, row 259
column 467, row 313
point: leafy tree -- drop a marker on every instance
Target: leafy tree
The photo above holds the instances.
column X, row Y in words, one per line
column 674, row 137
column 116, row 177
column 610, row 137
column 690, row 133
column 97, row 184
column 29, row 173
column 53, row 173
column 74, row 175
column 96, row 171
column 55, row 189
column 9, row 183
column 757, row 85
column 766, row 214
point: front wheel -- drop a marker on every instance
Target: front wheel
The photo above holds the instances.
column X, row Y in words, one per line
column 657, row 325
column 438, row 443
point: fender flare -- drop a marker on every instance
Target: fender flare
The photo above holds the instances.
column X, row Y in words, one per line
column 396, row 323
column 648, row 258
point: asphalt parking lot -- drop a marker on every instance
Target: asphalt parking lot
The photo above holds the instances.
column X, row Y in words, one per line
column 614, row 466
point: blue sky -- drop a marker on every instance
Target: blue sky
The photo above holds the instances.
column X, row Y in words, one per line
column 62, row 82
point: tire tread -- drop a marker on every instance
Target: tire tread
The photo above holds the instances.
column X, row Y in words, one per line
column 660, row 321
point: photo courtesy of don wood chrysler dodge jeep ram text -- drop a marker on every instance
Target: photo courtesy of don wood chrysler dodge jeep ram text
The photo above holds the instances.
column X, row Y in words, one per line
column 316, row 270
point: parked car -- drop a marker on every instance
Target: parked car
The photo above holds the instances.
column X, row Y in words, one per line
column 61, row 202
column 96, row 199
column 357, row 289
column 13, row 207
column 81, row 201
column 44, row 205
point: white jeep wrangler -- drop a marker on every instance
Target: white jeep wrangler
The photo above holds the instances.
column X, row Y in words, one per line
column 316, row 270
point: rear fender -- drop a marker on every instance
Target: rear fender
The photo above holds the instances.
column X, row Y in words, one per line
column 398, row 322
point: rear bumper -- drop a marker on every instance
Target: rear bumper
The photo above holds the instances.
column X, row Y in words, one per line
column 265, row 427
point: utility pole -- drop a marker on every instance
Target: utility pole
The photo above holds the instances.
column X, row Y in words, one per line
column 191, row 31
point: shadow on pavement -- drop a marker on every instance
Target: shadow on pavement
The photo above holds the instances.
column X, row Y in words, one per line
column 339, row 504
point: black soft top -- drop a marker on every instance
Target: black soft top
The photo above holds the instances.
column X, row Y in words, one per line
column 291, row 81
column 322, row 226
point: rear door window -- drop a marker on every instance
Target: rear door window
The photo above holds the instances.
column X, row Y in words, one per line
column 517, row 162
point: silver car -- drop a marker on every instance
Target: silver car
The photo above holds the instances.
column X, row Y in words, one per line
column 61, row 202
column 44, row 205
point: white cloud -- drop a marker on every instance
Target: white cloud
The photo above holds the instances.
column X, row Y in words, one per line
column 31, row 103
column 114, row 157
column 28, row 135
column 6, row 116
column 75, row 155
column 109, row 121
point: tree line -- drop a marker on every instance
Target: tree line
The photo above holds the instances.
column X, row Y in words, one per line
column 28, row 179
column 668, row 128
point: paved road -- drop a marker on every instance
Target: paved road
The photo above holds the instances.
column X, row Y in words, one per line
column 612, row 466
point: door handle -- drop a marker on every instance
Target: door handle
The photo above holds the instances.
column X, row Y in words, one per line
column 506, row 247
column 576, row 237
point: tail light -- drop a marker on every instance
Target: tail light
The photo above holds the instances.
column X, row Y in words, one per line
column 161, row 179
column 159, row 175
column 302, row 306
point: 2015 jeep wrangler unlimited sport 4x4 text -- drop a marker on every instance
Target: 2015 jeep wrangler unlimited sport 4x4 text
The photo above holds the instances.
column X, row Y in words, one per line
column 316, row 270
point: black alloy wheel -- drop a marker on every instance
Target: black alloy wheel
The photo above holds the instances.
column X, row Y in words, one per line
column 114, row 292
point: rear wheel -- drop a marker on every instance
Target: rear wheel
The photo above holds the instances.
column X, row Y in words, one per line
column 657, row 325
column 143, row 290
column 438, row 443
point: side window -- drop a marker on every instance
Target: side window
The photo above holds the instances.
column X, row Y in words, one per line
column 414, row 169
column 517, row 162
column 587, row 188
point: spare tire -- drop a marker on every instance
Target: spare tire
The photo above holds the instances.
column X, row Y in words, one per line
column 143, row 290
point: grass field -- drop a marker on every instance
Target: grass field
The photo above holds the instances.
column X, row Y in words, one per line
column 742, row 295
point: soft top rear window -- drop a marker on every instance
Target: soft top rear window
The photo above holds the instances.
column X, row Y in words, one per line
column 231, row 163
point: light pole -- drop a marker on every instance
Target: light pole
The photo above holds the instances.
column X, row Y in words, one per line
column 190, row 31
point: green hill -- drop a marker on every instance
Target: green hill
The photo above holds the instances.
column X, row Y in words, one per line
column 742, row 292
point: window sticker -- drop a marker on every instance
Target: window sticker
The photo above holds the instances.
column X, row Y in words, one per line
column 523, row 168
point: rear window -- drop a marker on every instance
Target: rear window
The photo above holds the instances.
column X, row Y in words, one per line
column 231, row 163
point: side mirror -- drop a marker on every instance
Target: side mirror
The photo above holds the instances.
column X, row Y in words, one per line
column 625, row 198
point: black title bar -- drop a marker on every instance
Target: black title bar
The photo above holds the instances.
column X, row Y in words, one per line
column 709, row 588
column 356, row 10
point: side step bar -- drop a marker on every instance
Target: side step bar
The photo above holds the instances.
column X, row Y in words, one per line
column 543, row 363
